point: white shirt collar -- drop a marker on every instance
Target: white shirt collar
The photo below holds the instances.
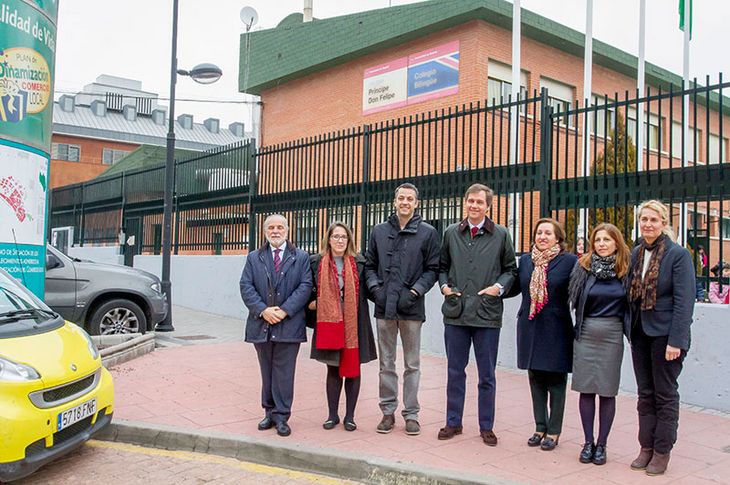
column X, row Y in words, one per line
column 282, row 247
column 478, row 226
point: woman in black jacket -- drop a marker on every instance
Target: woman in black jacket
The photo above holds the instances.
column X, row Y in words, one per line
column 338, row 311
column 545, row 329
column 662, row 296
column 598, row 287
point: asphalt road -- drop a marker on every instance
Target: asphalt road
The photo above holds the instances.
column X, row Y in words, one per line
column 101, row 462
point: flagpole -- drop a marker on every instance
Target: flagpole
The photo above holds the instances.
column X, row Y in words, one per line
column 640, row 107
column 587, row 91
column 513, row 216
column 687, row 16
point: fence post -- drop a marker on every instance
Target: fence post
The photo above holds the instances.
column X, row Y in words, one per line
column 363, row 186
column 252, row 152
column 176, row 211
column 83, row 218
column 546, row 153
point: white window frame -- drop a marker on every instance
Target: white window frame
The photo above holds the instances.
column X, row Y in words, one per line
column 62, row 151
column 713, row 144
column 677, row 141
column 654, row 123
column 110, row 156
column 597, row 118
column 499, row 75
column 560, row 97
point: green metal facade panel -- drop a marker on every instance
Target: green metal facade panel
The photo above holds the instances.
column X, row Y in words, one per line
column 145, row 156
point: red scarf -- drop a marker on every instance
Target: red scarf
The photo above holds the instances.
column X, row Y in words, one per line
column 337, row 319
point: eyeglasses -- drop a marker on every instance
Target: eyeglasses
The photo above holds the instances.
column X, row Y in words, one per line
column 339, row 237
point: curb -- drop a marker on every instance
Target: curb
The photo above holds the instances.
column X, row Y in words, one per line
column 123, row 348
column 300, row 457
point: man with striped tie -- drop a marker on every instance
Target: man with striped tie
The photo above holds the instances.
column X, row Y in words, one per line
column 275, row 286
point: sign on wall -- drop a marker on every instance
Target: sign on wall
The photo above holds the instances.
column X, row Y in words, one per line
column 27, row 55
column 429, row 74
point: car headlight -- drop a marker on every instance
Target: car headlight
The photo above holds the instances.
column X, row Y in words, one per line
column 156, row 287
column 15, row 372
column 90, row 343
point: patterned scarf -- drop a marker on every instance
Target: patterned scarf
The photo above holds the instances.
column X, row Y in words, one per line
column 337, row 318
column 603, row 268
column 538, row 280
column 644, row 289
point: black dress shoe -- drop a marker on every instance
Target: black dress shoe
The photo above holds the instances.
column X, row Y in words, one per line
column 283, row 429
column 586, row 454
column 599, row 457
column 265, row 424
column 331, row 423
column 549, row 444
column 350, row 425
column 535, row 439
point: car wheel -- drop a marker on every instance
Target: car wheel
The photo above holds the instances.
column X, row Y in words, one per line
column 118, row 316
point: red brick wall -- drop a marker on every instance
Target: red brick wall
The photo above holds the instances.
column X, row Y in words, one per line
column 90, row 166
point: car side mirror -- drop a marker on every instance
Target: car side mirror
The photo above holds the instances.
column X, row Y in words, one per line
column 52, row 262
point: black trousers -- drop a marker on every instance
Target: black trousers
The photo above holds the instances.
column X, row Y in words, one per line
column 548, row 388
column 657, row 387
column 277, row 361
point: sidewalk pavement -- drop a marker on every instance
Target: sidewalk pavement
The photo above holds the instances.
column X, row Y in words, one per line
column 216, row 388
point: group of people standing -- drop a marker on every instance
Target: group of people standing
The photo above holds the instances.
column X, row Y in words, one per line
column 645, row 295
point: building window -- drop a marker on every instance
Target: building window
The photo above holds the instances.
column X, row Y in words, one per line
column 560, row 98
column 499, row 84
column 63, row 151
column 725, row 229
column 599, row 117
column 110, row 156
column 692, row 135
column 717, row 153
column 654, row 125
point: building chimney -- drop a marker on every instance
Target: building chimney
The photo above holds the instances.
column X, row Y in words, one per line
column 185, row 121
column 212, row 124
column 308, row 10
column 67, row 103
column 236, row 129
column 158, row 116
column 98, row 107
column 129, row 112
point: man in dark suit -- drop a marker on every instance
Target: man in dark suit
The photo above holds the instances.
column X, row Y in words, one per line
column 275, row 286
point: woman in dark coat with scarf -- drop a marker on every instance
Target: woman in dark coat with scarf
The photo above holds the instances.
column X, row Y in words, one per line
column 545, row 329
column 338, row 312
column 662, row 297
column 598, row 287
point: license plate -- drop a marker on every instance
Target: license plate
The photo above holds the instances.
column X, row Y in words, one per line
column 75, row 414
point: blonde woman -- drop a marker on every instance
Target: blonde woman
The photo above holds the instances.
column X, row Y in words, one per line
column 662, row 295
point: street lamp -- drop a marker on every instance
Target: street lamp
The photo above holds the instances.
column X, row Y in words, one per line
column 203, row 74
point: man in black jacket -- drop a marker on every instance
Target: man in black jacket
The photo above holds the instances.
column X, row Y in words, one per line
column 477, row 267
column 401, row 265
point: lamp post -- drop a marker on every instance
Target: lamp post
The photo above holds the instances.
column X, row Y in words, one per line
column 203, row 74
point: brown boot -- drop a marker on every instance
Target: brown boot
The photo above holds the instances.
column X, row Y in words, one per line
column 643, row 459
column 658, row 464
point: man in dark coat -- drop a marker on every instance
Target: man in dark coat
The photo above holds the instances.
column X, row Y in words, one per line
column 477, row 267
column 401, row 266
column 275, row 286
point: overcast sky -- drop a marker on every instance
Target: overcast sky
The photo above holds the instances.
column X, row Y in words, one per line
column 132, row 38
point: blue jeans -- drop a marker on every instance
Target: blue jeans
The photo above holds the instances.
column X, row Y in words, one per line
column 458, row 341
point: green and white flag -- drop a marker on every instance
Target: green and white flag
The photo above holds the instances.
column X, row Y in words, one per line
column 682, row 22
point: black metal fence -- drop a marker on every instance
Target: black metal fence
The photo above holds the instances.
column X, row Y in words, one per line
column 579, row 164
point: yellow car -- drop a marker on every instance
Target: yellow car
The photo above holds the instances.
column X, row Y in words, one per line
column 54, row 392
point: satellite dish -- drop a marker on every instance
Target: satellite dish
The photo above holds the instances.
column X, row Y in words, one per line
column 249, row 17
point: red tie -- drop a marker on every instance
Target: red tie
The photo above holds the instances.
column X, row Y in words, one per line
column 474, row 231
column 277, row 260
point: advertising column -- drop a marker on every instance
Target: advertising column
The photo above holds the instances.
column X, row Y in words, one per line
column 27, row 54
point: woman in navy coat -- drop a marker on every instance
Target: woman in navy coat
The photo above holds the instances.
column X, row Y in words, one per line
column 545, row 329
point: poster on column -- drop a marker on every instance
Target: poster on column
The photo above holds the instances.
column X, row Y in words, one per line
column 27, row 57
column 384, row 86
column 433, row 73
column 23, row 192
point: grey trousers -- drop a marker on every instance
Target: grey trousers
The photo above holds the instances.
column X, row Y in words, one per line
column 410, row 336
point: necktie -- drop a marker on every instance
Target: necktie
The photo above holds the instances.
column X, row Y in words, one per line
column 277, row 260
column 474, row 231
